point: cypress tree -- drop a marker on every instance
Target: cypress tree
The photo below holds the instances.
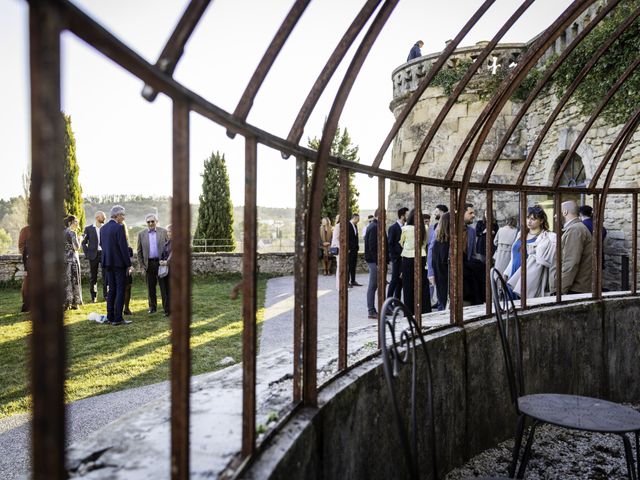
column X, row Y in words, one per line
column 341, row 147
column 215, row 213
column 73, row 204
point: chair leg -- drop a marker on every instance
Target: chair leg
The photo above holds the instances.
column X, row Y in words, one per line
column 527, row 450
column 629, row 457
column 638, row 454
column 517, row 444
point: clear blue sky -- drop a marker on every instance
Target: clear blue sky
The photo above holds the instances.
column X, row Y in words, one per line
column 124, row 142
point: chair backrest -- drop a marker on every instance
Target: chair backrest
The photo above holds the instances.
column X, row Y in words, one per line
column 511, row 346
column 400, row 351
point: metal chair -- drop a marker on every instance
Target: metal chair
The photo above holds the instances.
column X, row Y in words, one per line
column 568, row 411
column 402, row 351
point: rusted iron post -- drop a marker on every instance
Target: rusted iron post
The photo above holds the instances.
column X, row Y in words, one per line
column 417, row 259
column 46, row 244
column 343, row 295
column 298, row 262
column 523, row 250
column 249, row 300
column 634, row 244
column 180, row 292
column 558, row 228
column 174, row 47
column 596, row 274
column 382, row 248
column 455, row 263
column 489, row 250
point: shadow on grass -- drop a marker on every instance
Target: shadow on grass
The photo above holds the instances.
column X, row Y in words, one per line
column 103, row 359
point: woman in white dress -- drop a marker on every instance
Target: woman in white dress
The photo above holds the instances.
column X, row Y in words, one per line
column 503, row 241
column 541, row 253
column 335, row 243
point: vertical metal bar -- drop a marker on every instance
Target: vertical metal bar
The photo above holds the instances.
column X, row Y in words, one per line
column 343, row 296
column 596, row 264
column 382, row 248
column 417, row 258
column 249, row 276
column 558, row 228
column 489, row 250
column 298, row 303
column 523, row 249
column 45, row 244
column 634, row 250
column 455, row 263
column 180, row 292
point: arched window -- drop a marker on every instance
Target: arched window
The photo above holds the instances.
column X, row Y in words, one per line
column 574, row 175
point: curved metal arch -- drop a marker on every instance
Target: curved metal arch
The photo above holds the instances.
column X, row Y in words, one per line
column 594, row 116
column 572, row 88
column 433, row 71
column 261, row 71
column 295, row 134
column 473, row 68
column 548, row 74
column 487, row 118
column 627, row 129
column 319, row 176
column 490, row 112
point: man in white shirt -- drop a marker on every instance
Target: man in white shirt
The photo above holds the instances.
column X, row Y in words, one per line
column 93, row 251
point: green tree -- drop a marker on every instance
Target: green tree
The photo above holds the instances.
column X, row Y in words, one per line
column 343, row 148
column 5, row 241
column 215, row 213
column 72, row 189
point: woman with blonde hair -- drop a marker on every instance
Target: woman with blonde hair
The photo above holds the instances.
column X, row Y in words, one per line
column 335, row 247
column 326, row 236
column 409, row 251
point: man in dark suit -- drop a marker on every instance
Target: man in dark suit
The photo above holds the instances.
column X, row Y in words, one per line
column 93, row 251
column 116, row 262
column 353, row 249
column 395, row 249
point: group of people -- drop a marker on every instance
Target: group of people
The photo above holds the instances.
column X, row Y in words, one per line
column 434, row 252
column 106, row 246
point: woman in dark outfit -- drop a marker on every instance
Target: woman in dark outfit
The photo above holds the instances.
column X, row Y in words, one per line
column 441, row 260
column 407, row 240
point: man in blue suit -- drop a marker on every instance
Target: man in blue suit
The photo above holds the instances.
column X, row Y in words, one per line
column 117, row 264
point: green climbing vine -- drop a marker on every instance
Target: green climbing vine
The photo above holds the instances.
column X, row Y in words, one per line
column 608, row 69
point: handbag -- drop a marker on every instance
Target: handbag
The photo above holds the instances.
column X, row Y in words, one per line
column 334, row 251
column 163, row 271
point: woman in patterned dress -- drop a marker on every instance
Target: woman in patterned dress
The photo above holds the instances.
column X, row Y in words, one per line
column 72, row 287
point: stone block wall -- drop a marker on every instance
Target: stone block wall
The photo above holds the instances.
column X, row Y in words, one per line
column 11, row 269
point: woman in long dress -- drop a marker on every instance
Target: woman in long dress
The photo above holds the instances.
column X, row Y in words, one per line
column 335, row 243
column 540, row 256
column 72, row 287
column 326, row 236
column 409, row 251
column 504, row 241
column 441, row 260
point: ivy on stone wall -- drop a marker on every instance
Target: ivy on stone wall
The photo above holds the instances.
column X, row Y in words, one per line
column 608, row 69
column 486, row 85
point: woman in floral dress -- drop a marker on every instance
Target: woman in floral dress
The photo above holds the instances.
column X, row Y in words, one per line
column 72, row 288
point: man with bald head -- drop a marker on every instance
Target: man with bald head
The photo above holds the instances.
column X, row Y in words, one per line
column 576, row 251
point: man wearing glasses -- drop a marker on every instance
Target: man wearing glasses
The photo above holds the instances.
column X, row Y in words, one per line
column 150, row 245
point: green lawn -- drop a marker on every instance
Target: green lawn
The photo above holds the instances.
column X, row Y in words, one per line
column 104, row 359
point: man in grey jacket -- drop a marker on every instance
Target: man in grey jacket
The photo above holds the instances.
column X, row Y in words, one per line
column 576, row 252
column 150, row 245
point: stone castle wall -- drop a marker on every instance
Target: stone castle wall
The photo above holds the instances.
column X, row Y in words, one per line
column 558, row 140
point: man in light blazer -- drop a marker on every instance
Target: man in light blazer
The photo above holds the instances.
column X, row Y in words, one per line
column 150, row 245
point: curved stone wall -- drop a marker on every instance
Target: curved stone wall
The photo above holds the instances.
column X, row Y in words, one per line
column 587, row 348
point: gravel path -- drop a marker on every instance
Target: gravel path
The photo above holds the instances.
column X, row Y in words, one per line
column 557, row 453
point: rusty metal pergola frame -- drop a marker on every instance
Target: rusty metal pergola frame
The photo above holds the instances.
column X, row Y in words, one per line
column 49, row 18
